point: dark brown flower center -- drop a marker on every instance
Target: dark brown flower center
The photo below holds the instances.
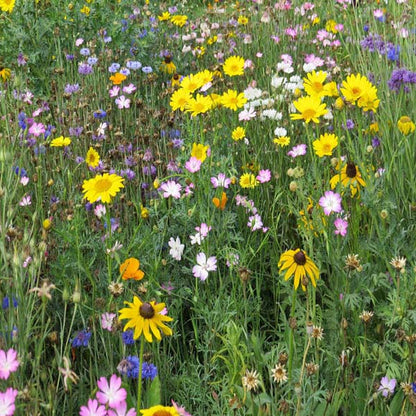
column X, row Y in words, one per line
column 147, row 311
column 351, row 170
column 300, row 258
column 162, row 413
column 168, row 59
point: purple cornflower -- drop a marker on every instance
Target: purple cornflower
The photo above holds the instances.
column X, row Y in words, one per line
column 114, row 67
column 134, row 65
column 81, row 339
column 76, row 131
column 401, row 78
column 84, row 52
column 71, row 88
column 375, row 142
column 100, row 114
column 84, row 68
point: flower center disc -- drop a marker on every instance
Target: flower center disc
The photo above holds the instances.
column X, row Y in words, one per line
column 300, row 258
column 309, row 113
column 102, row 185
column 162, row 413
column 351, row 170
column 147, row 311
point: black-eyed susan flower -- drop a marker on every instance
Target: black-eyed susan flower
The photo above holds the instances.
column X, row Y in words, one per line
column 298, row 264
column 167, row 65
column 145, row 318
column 233, row 66
column 93, row 158
column 310, row 109
column 159, row 411
column 350, row 175
column 102, row 188
column 406, row 125
column 325, row 144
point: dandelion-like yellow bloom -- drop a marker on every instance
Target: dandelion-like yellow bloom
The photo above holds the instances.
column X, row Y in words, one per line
column 102, row 188
column 60, row 141
column 238, row 133
column 325, row 144
column 159, row 411
column 198, row 105
column 314, row 84
column 5, row 74
column 164, row 16
column 232, row 100
column 93, row 158
column 179, row 99
column 354, row 87
column 242, row 20
column 233, row 66
column 179, row 20
column 310, row 109
column 7, row 5
column 205, row 76
column 145, row 318
column 298, row 264
column 192, row 82
column 248, row 180
column 369, row 101
column 282, row 141
column 350, row 176
column 199, row 151
column 406, row 125
column 85, row 10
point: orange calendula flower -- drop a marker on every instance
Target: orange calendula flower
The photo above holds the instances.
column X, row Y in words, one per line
column 117, row 78
column 130, row 269
column 220, row 204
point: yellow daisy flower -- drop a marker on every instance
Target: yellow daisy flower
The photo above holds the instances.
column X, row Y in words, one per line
column 179, row 99
column 179, row 20
column 198, row 105
column 7, row 5
column 234, row 65
column 248, row 180
column 232, row 100
column 199, row 151
column 310, row 109
column 298, row 264
column 238, row 133
column 93, row 158
column 5, row 74
column 159, row 411
column 60, row 141
column 325, row 144
column 102, row 187
column 145, row 318
column 406, row 125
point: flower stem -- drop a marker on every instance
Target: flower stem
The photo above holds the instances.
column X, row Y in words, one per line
column 291, row 340
column 139, row 382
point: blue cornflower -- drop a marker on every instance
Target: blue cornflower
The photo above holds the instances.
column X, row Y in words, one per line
column 92, row 60
column 149, row 371
column 125, row 71
column 6, row 302
column 84, row 69
column 100, row 114
column 81, row 339
column 84, row 52
column 22, row 118
column 130, row 367
column 375, row 142
column 393, row 53
column 114, row 67
column 134, row 65
column 414, row 387
column 19, row 171
column 127, row 337
column 147, row 69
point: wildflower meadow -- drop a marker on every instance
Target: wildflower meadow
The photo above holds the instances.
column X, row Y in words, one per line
column 207, row 207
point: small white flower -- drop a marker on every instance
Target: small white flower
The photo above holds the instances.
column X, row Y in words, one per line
column 176, row 248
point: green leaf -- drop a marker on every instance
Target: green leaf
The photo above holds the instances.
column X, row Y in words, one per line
column 152, row 397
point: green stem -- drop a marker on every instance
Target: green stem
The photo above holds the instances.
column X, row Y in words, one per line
column 139, row 382
column 291, row 340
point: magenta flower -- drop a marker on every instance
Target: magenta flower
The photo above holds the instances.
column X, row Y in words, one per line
column 255, row 222
column 193, row 165
column 340, row 227
column 387, row 386
column 7, row 402
column 37, row 129
column 264, row 176
column 121, row 410
column 93, row 409
column 111, row 393
column 114, row 91
column 8, row 363
column 171, row 188
column 181, row 410
column 331, row 202
column 204, row 266
column 128, row 89
column 298, row 150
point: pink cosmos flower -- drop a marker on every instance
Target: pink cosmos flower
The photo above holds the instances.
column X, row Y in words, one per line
column 247, row 114
column 121, row 410
column 264, row 176
column 7, row 402
column 193, row 165
column 111, row 393
column 8, row 363
column 378, row 13
column 171, row 188
column 255, row 222
column 114, row 91
column 37, row 129
column 298, row 150
column 203, row 229
column 24, row 180
column 315, row 60
column 25, row 201
column 204, row 266
column 220, row 181
column 340, row 227
column 331, row 202
column 93, row 409
column 123, row 102
column 107, row 321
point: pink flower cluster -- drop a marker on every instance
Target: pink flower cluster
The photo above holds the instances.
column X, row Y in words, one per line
column 110, row 400
column 8, row 364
